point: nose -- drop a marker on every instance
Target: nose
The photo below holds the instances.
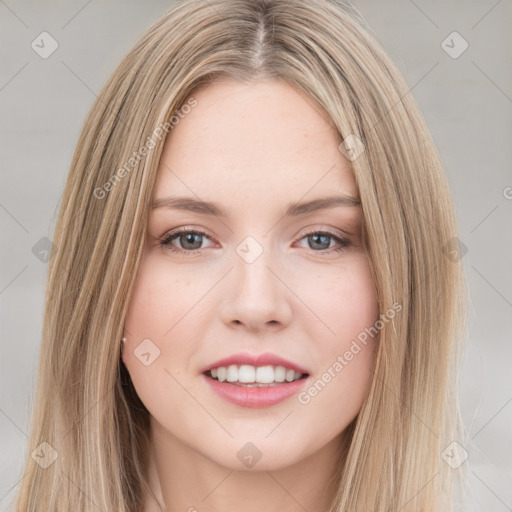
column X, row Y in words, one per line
column 255, row 294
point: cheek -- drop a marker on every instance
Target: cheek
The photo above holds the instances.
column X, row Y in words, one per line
column 160, row 299
column 347, row 348
column 342, row 300
column 156, row 321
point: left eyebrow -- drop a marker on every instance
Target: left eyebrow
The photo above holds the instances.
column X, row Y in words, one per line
column 292, row 210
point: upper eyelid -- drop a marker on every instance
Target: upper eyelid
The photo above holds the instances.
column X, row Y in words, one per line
column 308, row 230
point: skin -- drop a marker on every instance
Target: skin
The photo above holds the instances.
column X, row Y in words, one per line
column 252, row 149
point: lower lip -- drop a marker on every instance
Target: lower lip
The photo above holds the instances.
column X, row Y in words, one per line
column 255, row 397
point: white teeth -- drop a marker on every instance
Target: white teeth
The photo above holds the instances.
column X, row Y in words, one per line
column 280, row 373
column 232, row 375
column 265, row 374
column 290, row 375
column 248, row 374
column 221, row 373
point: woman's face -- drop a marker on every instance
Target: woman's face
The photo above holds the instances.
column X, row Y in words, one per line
column 256, row 274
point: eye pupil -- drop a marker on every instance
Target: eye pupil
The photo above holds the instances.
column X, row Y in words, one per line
column 318, row 236
column 189, row 237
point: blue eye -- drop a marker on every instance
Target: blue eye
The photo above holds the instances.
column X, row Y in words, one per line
column 191, row 241
column 320, row 237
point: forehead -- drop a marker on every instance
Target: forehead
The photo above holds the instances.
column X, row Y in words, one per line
column 262, row 140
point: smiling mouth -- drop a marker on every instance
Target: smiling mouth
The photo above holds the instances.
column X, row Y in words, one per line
column 254, row 376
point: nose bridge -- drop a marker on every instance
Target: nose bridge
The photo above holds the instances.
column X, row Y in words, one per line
column 252, row 262
column 256, row 295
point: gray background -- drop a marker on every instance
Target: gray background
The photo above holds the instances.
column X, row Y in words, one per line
column 467, row 102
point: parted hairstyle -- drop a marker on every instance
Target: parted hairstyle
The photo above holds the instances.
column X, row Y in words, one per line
column 85, row 406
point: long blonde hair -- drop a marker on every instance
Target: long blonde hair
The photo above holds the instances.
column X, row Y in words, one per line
column 85, row 407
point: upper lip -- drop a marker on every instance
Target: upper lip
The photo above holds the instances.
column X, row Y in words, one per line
column 266, row 359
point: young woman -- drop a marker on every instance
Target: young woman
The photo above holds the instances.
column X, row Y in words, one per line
column 254, row 302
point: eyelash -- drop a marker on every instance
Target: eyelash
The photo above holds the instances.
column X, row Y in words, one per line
column 165, row 242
